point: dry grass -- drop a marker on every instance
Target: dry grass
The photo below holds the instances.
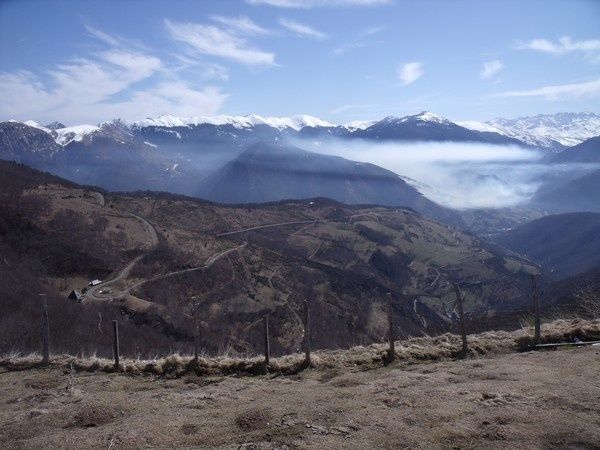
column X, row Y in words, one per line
column 422, row 349
column 524, row 400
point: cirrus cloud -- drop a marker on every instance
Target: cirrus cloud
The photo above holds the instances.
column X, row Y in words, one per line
column 216, row 41
column 117, row 82
column 585, row 89
column 302, row 29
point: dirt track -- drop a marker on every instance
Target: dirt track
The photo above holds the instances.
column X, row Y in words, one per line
column 528, row 400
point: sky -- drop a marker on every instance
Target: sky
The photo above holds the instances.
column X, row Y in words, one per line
column 340, row 60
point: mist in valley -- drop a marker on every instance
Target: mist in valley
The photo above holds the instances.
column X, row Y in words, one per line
column 459, row 175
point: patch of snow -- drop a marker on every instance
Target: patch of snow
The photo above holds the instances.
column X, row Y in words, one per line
column 427, row 116
column 295, row 122
column 359, row 124
column 34, row 124
column 480, row 126
column 545, row 130
column 76, row 133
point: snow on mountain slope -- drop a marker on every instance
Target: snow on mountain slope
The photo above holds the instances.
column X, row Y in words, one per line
column 546, row 130
column 34, row 124
column 480, row 126
column 359, row 124
column 551, row 131
column 76, row 133
column 294, row 122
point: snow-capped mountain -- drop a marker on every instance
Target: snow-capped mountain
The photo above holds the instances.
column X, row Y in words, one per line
column 551, row 131
column 294, row 122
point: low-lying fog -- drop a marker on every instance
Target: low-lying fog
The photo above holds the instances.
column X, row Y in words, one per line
column 458, row 175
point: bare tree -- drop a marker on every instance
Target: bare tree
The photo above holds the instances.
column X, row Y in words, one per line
column 589, row 300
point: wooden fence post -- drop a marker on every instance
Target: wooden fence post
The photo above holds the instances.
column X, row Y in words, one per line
column 116, row 343
column 45, row 333
column 391, row 334
column 461, row 318
column 307, row 361
column 196, row 332
column 267, row 344
column 536, row 310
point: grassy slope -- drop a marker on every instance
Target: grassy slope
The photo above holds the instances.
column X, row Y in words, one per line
column 488, row 401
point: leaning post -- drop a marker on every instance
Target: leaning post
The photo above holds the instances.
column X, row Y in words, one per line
column 536, row 309
column 267, row 343
column 307, row 360
column 391, row 334
column 116, row 343
column 461, row 318
column 45, row 332
column 196, row 331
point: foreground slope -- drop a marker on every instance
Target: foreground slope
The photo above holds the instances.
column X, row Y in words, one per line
column 488, row 402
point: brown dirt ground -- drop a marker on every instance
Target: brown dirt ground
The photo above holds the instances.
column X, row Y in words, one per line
column 535, row 400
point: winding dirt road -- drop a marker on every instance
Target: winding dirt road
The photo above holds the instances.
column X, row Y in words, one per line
column 271, row 225
column 95, row 292
column 209, row 262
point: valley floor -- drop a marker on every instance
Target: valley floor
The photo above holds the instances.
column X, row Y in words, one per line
column 548, row 399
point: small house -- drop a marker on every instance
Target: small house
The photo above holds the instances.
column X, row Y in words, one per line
column 94, row 282
column 76, row 295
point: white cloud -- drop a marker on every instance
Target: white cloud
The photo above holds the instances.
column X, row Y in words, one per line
column 215, row 41
column 306, row 4
column 574, row 90
column 564, row 45
column 101, row 35
column 302, row 29
column 491, row 69
column 410, row 72
column 102, row 86
column 242, row 24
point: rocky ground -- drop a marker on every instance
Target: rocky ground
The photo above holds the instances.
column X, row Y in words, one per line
column 546, row 399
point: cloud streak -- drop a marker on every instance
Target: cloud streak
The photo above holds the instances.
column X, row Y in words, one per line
column 216, row 41
column 564, row 45
column 410, row 72
column 242, row 24
column 302, row 29
column 574, row 90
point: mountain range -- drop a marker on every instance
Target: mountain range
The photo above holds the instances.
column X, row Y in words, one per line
column 550, row 131
column 239, row 159
column 555, row 131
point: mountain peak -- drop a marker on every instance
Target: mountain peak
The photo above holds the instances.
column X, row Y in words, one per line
column 55, row 125
column 427, row 116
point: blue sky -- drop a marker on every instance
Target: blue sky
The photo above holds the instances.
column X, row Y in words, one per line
column 340, row 60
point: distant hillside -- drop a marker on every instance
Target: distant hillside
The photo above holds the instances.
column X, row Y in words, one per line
column 563, row 244
column 580, row 194
column 267, row 172
column 586, row 152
